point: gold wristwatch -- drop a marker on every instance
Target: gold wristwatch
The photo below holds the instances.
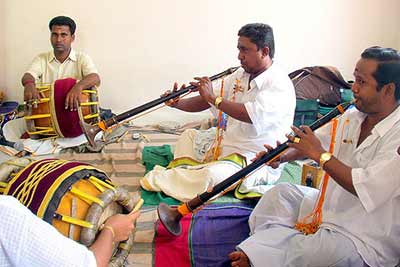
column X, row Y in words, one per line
column 218, row 101
column 326, row 156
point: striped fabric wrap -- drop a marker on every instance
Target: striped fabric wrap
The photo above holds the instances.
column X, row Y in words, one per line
column 207, row 238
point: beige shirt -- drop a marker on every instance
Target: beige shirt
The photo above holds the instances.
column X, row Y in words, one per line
column 45, row 68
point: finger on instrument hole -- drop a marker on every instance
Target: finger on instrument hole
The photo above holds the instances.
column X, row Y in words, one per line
column 175, row 86
column 298, row 131
column 306, row 129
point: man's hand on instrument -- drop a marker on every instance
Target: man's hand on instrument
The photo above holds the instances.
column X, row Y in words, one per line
column 273, row 164
column 306, row 142
column 31, row 93
column 73, row 98
column 205, row 88
column 122, row 225
column 174, row 101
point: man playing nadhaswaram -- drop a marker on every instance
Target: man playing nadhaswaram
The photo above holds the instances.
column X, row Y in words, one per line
column 356, row 221
column 254, row 106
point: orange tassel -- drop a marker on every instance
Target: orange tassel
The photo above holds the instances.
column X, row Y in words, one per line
column 316, row 216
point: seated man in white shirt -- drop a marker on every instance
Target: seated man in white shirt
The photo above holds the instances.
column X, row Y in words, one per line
column 354, row 220
column 26, row 240
column 257, row 106
column 62, row 62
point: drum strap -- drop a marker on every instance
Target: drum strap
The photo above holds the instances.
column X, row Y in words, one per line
column 99, row 183
column 72, row 220
column 86, row 197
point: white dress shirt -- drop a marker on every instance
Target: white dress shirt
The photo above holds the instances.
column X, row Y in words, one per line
column 27, row 241
column 269, row 100
column 371, row 220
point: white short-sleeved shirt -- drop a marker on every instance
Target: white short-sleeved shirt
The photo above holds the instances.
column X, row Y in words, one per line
column 26, row 240
column 269, row 100
column 371, row 220
column 45, row 68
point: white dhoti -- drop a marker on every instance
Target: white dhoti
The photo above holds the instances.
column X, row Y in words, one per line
column 274, row 241
column 14, row 129
column 184, row 182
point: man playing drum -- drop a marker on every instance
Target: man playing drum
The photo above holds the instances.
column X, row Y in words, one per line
column 62, row 62
column 27, row 240
column 61, row 67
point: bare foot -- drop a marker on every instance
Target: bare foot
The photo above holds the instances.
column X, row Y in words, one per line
column 239, row 259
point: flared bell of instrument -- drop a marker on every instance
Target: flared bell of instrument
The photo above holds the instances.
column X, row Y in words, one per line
column 90, row 132
column 170, row 218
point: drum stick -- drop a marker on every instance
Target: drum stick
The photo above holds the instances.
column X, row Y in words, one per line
column 138, row 206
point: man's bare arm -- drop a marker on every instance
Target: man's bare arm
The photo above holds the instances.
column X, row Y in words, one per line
column 72, row 100
column 192, row 104
column 30, row 91
column 235, row 110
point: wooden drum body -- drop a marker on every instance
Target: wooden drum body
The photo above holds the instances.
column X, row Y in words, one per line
column 74, row 197
column 49, row 118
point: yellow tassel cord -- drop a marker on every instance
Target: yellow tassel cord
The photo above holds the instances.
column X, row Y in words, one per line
column 215, row 150
column 305, row 225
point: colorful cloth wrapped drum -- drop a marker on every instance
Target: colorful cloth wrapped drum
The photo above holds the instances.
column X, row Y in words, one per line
column 74, row 197
column 49, row 118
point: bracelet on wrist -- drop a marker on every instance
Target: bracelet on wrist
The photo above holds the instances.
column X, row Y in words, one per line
column 28, row 82
column 108, row 227
column 218, row 101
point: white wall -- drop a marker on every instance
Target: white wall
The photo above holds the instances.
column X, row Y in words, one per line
column 398, row 43
column 142, row 47
column 2, row 47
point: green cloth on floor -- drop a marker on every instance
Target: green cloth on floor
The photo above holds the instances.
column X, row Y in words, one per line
column 162, row 155
column 156, row 155
column 154, row 198
column 291, row 173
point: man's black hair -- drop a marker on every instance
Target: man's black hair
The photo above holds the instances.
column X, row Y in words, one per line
column 388, row 69
column 261, row 35
column 63, row 21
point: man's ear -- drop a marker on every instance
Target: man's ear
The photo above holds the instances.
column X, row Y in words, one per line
column 73, row 37
column 390, row 89
column 265, row 51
